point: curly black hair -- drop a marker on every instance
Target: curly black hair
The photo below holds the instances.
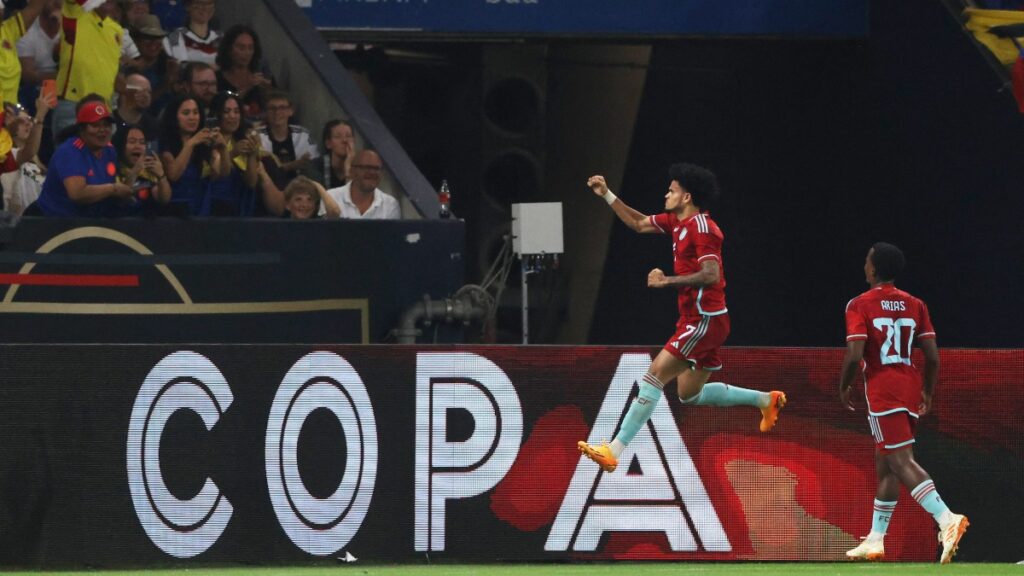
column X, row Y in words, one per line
column 700, row 182
column 888, row 260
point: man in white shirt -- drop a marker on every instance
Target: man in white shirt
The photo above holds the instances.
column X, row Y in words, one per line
column 361, row 198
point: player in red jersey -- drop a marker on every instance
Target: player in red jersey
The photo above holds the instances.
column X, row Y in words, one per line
column 882, row 325
column 691, row 355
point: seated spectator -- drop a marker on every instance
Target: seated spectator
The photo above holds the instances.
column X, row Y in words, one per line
column 141, row 169
column 192, row 154
column 339, row 148
column 361, row 198
column 291, row 144
column 90, row 52
column 11, row 31
column 133, row 102
column 196, row 41
column 302, row 198
column 22, row 175
column 82, row 177
column 36, row 51
column 240, row 70
column 160, row 69
column 199, row 81
column 235, row 194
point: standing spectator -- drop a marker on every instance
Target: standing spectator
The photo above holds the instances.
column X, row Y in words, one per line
column 82, row 177
column 36, row 51
column 160, row 69
column 192, row 154
column 133, row 102
column 90, row 52
column 291, row 144
column 235, row 194
column 142, row 170
column 11, row 31
column 361, row 198
column 197, row 41
column 240, row 63
column 199, row 81
column 339, row 148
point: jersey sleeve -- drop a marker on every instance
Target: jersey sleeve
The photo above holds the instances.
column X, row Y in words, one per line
column 925, row 328
column 707, row 240
column 856, row 326
column 308, row 146
column 663, row 222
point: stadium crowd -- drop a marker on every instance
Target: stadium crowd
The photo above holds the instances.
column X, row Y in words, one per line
column 145, row 108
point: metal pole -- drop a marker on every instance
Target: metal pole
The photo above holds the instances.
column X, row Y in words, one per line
column 525, row 300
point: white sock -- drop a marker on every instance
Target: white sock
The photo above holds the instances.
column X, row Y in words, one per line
column 945, row 519
column 617, row 447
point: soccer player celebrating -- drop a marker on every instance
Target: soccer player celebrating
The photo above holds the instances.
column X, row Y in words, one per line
column 691, row 355
column 882, row 324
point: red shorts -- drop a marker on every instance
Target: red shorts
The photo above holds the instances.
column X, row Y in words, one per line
column 697, row 340
column 893, row 431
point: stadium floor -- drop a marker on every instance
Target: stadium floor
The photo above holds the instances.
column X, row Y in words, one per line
column 581, row 569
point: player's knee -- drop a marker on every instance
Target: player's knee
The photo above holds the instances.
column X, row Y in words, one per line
column 692, row 399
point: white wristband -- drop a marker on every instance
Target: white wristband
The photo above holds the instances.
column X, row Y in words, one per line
column 610, row 197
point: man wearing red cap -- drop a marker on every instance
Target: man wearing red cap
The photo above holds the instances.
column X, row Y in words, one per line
column 82, row 179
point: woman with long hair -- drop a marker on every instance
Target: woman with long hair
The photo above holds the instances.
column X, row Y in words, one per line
column 192, row 153
column 235, row 195
column 141, row 169
column 339, row 149
column 240, row 69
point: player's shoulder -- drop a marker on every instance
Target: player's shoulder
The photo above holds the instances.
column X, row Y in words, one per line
column 857, row 300
column 702, row 223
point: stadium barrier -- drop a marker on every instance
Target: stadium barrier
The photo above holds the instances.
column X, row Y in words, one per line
column 150, row 454
column 221, row 280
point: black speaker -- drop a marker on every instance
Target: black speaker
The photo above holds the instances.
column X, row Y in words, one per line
column 514, row 101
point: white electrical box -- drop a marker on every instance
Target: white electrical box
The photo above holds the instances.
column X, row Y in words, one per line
column 537, row 228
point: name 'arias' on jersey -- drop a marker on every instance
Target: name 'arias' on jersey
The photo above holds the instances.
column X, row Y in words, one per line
column 890, row 321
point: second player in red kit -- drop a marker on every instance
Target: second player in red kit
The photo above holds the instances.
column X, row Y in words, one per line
column 882, row 327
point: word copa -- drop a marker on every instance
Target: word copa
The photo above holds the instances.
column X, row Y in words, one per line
column 444, row 470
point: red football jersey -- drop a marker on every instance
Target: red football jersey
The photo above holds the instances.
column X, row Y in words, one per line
column 890, row 320
column 694, row 240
